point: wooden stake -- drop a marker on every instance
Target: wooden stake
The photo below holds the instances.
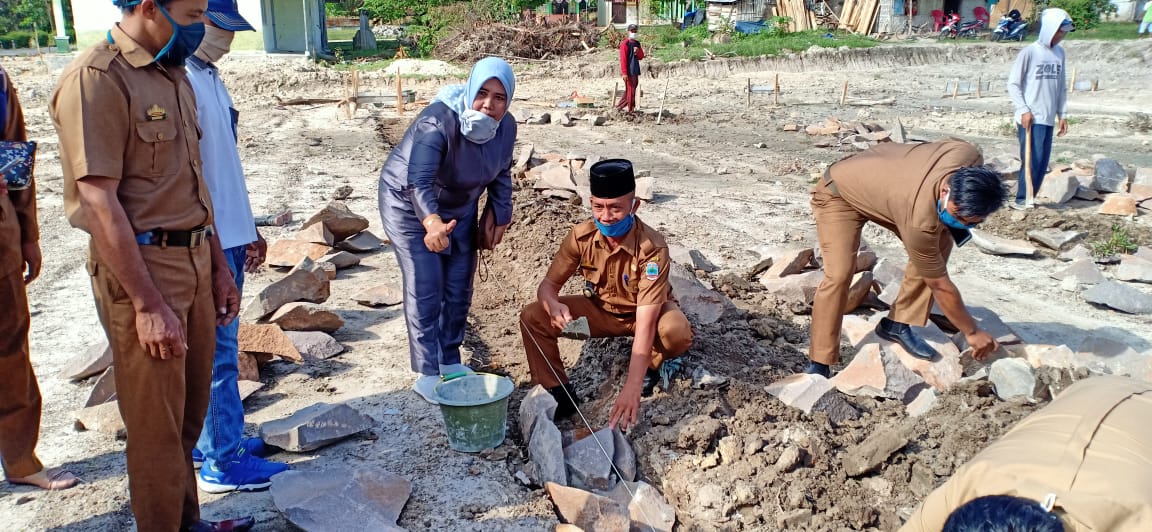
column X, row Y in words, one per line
column 660, row 113
column 612, row 97
column 1072, row 86
column 956, row 89
column 399, row 94
column 749, row 104
column 355, row 103
column 844, row 93
column 776, row 90
column 348, row 96
column 1095, row 85
column 979, row 82
column 1028, row 201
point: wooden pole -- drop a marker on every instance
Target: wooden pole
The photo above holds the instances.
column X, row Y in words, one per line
column 956, row 89
column 660, row 113
column 749, row 104
column 844, row 93
column 1072, row 86
column 776, row 90
column 348, row 97
column 979, row 82
column 399, row 94
column 1095, row 85
column 355, row 103
column 612, row 97
column 1028, row 201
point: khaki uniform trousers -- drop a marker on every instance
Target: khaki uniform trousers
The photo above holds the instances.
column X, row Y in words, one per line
column 19, row 392
column 838, row 227
column 163, row 402
column 673, row 335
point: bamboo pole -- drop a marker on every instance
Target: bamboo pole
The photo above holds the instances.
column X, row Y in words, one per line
column 956, row 89
column 844, row 93
column 663, row 97
column 979, row 82
column 776, row 90
column 1072, row 86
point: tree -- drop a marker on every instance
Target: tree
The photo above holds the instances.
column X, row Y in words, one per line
column 24, row 14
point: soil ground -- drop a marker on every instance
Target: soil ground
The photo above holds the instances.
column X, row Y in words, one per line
column 710, row 451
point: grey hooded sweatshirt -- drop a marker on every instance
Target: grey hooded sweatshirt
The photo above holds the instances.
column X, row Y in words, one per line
column 1037, row 81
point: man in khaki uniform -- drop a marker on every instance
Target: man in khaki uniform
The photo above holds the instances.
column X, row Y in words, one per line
column 1088, row 455
column 929, row 195
column 129, row 147
column 624, row 263
column 19, row 265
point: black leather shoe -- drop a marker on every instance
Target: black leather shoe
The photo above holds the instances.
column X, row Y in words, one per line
column 816, row 368
column 566, row 400
column 231, row 525
column 902, row 334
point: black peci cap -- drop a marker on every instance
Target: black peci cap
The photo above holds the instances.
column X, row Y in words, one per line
column 612, row 178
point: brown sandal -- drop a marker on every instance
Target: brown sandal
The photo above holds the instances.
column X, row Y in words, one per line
column 48, row 479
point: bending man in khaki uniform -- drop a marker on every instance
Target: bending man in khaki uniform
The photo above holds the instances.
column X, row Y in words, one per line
column 133, row 180
column 929, row 195
column 19, row 265
column 624, row 264
column 1083, row 462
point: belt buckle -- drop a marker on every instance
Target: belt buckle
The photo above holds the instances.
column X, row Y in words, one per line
column 196, row 238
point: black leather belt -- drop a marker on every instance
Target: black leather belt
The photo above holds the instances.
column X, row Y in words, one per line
column 181, row 239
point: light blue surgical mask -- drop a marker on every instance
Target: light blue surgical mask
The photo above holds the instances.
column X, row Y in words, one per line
column 184, row 42
column 618, row 229
column 946, row 217
column 477, row 126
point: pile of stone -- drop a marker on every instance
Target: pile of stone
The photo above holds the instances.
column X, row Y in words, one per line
column 794, row 275
column 566, row 177
column 591, row 477
column 591, row 118
column 850, row 136
column 1123, row 192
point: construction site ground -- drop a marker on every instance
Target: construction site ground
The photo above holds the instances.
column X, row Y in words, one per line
column 716, row 191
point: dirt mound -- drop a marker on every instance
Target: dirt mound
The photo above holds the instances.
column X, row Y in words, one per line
column 520, row 41
column 1077, row 216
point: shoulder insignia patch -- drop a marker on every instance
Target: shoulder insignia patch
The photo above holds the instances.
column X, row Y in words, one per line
column 651, row 271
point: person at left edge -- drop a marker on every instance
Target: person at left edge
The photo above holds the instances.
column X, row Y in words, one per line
column 129, row 147
column 228, row 461
column 430, row 188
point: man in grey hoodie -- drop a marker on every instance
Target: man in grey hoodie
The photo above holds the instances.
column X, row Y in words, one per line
column 1039, row 95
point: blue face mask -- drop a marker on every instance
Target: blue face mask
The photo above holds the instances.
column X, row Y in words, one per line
column 184, row 42
column 617, row 229
column 946, row 217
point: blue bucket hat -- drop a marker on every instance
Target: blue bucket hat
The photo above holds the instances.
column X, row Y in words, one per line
column 226, row 15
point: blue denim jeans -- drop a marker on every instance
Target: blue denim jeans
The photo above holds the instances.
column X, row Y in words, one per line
column 224, row 423
column 1041, row 153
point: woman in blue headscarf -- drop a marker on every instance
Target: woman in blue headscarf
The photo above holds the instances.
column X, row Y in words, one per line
column 430, row 188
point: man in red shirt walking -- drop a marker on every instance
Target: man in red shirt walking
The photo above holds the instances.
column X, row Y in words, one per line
column 630, row 55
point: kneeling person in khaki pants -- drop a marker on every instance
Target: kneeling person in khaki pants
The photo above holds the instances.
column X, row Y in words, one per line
column 625, row 265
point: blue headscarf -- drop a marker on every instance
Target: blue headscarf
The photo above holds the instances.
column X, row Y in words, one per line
column 474, row 125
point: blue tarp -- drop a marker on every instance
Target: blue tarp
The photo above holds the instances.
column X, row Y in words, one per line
column 751, row 28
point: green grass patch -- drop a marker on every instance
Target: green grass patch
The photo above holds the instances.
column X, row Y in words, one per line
column 1107, row 31
column 691, row 44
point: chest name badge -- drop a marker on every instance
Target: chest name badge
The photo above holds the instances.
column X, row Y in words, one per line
column 156, row 113
column 651, row 271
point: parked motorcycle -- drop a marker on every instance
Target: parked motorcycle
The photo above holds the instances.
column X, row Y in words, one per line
column 1010, row 28
column 954, row 27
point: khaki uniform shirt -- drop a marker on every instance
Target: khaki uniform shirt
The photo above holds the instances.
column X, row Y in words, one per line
column 1091, row 448
column 18, row 222
column 632, row 275
column 122, row 116
column 897, row 185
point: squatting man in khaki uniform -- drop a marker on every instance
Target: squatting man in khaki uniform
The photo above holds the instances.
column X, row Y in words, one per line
column 129, row 146
column 929, row 195
column 624, row 263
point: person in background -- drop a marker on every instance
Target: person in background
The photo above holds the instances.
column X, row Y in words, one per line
column 1146, row 22
column 1037, row 87
column 227, row 461
column 20, row 401
column 430, row 187
column 630, row 55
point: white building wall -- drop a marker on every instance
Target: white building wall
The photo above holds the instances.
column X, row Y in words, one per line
column 94, row 15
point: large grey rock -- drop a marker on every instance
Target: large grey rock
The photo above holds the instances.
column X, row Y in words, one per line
column 691, row 258
column 704, row 306
column 1110, row 176
column 103, row 418
column 306, row 282
column 1059, row 188
column 93, row 361
column 288, row 253
column 995, row 245
column 315, row 345
column 1013, row 377
column 588, row 460
column 800, row 391
column 304, row 316
column 314, row 427
column 339, row 220
column 1119, row 296
column 624, row 457
column 546, row 453
column 1077, row 252
column 800, row 287
column 922, row 403
column 316, row 234
column 888, row 271
column 104, row 390
column 1083, row 271
column 1134, row 269
column 864, row 375
column 1104, row 355
column 868, row 455
column 645, row 188
column 649, row 511
column 1054, row 238
column 789, row 262
column 555, row 176
column 335, row 500
column 537, row 404
column 362, row 242
column 380, row 296
column 341, row 259
column 588, row 511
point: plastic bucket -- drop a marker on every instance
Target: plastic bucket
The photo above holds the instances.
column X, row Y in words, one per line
column 475, row 410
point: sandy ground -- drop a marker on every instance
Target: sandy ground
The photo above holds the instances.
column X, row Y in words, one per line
column 717, row 192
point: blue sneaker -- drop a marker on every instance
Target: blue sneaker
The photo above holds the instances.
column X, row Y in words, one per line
column 252, row 446
column 246, row 473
